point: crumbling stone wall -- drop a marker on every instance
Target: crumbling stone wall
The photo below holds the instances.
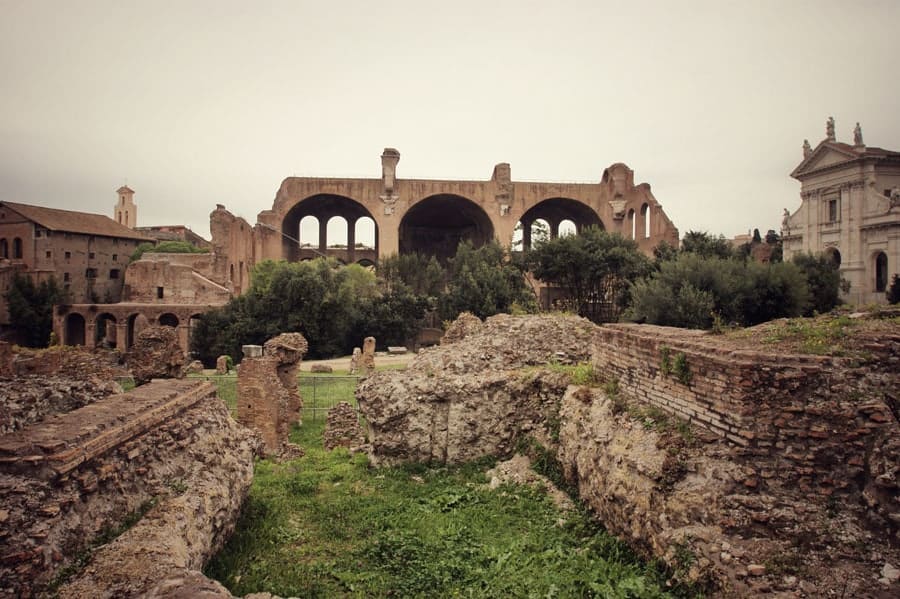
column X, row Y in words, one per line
column 155, row 354
column 462, row 401
column 65, row 480
column 811, row 421
column 268, row 399
column 784, row 481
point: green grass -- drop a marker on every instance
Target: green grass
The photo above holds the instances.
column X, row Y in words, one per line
column 325, row 525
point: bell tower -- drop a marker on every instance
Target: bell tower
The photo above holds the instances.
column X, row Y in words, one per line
column 125, row 212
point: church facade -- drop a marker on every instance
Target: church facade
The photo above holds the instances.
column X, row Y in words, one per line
column 850, row 210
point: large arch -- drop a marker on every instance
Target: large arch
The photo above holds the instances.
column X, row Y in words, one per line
column 323, row 207
column 437, row 224
column 556, row 210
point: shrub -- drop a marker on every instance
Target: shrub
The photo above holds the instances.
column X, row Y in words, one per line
column 893, row 292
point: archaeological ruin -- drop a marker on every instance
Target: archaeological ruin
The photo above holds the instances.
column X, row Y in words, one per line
column 78, row 457
column 775, row 470
column 429, row 216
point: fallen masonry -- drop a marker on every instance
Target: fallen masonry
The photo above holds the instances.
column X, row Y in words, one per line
column 71, row 477
column 755, row 473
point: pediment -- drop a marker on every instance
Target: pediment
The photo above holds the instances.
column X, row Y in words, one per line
column 826, row 154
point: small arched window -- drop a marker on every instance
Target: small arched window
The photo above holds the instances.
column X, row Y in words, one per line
column 881, row 271
column 17, row 248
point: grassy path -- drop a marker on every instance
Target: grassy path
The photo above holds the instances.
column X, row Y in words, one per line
column 325, row 525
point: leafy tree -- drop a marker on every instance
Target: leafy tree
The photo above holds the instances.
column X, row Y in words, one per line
column 704, row 244
column 690, row 290
column 167, row 247
column 31, row 308
column 594, row 268
column 423, row 275
column 823, row 278
column 664, row 252
column 893, row 292
column 484, row 281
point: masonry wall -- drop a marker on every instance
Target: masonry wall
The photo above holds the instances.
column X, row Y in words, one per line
column 61, row 485
column 803, row 419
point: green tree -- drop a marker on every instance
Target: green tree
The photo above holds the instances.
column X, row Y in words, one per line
column 823, row 279
column 893, row 292
column 595, row 269
column 31, row 308
column 689, row 291
column 422, row 274
column 706, row 245
column 484, row 281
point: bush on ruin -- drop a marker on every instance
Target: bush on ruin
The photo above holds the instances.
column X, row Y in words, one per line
column 692, row 290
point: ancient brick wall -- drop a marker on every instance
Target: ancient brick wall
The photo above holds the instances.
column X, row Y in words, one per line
column 797, row 417
column 64, row 480
column 268, row 400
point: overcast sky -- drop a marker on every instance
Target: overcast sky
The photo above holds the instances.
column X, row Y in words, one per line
column 197, row 103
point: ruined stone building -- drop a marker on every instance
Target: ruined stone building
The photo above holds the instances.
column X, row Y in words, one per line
column 86, row 253
column 850, row 209
column 429, row 216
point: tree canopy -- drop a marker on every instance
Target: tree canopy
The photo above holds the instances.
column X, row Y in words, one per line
column 31, row 308
column 594, row 269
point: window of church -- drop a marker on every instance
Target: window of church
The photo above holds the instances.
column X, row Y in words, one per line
column 833, row 212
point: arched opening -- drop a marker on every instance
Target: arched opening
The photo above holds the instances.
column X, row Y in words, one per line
column 17, row 248
column 834, row 255
column 336, row 233
column 553, row 212
column 168, row 320
column 436, row 225
column 881, row 272
column 298, row 230
column 365, row 233
column 105, row 330
column 193, row 321
column 4, row 248
column 131, row 328
column 633, row 222
column 540, row 232
column 309, row 232
column 645, row 217
column 567, row 227
column 74, row 329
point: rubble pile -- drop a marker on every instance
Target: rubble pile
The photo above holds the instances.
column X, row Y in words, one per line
column 156, row 353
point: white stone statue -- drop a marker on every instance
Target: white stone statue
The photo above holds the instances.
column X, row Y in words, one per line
column 785, row 222
column 807, row 149
column 857, row 135
column 829, row 128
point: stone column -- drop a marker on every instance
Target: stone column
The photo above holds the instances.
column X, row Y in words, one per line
column 121, row 335
column 368, row 355
column 526, row 234
column 323, row 234
column 351, row 241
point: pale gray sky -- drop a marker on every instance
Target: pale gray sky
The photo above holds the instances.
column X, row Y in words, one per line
column 196, row 103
